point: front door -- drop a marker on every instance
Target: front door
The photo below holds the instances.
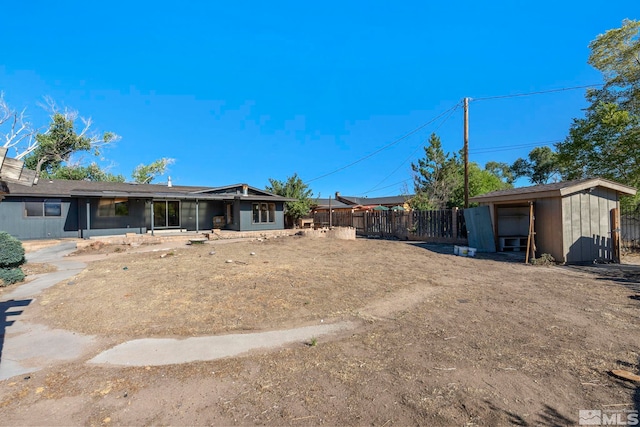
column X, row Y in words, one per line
column 166, row 214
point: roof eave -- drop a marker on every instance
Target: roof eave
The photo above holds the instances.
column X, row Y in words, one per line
column 515, row 197
column 598, row 182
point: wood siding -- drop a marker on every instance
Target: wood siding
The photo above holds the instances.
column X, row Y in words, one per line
column 587, row 225
column 548, row 228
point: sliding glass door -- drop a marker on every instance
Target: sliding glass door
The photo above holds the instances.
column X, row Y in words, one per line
column 166, row 214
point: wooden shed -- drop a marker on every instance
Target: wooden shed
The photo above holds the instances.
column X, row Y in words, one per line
column 574, row 221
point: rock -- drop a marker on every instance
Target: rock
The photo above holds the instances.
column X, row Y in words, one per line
column 252, row 253
column 229, row 261
column 212, row 253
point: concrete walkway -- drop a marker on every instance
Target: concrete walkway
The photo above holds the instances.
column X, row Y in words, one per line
column 164, row 351
column 26, row 346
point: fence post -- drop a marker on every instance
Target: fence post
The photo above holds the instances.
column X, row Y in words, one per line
column 454, row 222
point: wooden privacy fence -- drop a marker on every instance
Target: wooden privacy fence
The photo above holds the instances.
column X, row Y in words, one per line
column 445, row 225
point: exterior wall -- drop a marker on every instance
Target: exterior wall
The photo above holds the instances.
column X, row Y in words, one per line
column 14, row 221
column 246, row 217
column 135, row 219
column 513, row 221
column 587, row 225
column 207, row 209
column 236, row 216
column 73, row 220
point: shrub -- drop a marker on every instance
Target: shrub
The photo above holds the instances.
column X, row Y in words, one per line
column 11, row 275
column 11, row 251
column 11, row 258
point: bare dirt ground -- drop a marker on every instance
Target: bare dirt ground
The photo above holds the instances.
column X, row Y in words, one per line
column 442, row 340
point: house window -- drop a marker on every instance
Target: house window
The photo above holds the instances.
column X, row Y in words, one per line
column 264, row 212
column 113, row 207
column 43, row 208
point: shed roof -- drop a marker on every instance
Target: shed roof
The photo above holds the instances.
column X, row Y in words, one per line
column 556, row 189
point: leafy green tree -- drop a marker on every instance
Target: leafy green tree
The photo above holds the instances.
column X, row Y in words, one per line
column 93, row 172
column 502, row 171
column 53, row 149
column 61, row 140
column 606, row 142
column 294, row 188
column 439, row 178
column 616, row 54
column 541, row 166
column 436, row 176
column 481, row 181
column 145, row 174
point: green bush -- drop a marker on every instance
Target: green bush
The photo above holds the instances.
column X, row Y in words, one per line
column 11, row 258
column 11, row 251
column 11, row 275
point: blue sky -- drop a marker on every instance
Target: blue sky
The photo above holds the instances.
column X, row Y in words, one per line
column 247, row 91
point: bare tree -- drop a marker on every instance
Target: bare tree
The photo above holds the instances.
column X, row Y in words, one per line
column 15, row 131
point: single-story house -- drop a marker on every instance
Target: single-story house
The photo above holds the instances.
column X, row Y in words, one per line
column 573, row 221
column 63, row 208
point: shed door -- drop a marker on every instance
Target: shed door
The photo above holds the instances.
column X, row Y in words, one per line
column 479, row 229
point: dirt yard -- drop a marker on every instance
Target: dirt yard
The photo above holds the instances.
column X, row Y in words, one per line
column 440, row 340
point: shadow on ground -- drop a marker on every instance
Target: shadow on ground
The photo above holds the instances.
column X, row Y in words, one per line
column 548, row 417
column 5, row 312
column 447, row 249
column 627, row 275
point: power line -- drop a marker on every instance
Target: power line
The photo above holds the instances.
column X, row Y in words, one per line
column 382, row 188
column 540, row 92
column 414, row 151
column 513, row 147
column 384, row 147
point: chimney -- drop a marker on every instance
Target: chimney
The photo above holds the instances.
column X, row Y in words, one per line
column 337, row 194
column 169, row 182
column 245, row 190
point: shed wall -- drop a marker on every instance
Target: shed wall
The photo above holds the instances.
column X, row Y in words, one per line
column 548, row 227
column 587, row 225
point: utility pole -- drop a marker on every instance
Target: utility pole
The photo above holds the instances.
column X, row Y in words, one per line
column 466, row 152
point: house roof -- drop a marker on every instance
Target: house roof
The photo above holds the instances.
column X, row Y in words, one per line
column 335, row 204
column 69, row 188
column 556, row 189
